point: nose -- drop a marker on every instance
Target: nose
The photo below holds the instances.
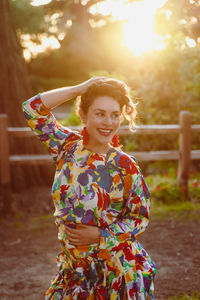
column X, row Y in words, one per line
column 108, row 120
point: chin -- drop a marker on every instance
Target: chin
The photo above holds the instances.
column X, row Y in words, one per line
column 104, row 141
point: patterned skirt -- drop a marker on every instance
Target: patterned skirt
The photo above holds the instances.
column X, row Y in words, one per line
column 87, row 272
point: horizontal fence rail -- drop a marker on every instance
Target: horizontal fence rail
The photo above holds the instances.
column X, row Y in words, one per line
column 124, row 130
column 184, row 155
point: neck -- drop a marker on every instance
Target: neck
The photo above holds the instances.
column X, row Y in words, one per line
column 101, row 149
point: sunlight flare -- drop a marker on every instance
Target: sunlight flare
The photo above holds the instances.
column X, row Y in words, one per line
column 190, row 42
column 138, row 23
column 32, row 49
column 139, row 35
column 138, row 19
column 40, row 2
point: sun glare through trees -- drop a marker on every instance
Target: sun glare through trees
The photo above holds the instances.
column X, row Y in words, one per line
column 138, row 24
column 136, row 17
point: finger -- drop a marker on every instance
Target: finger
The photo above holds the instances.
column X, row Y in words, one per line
column 78, row 231
column 69, row 233
column 70, row 230
column 76, row 241
column 72, row 235
column 97, row 79
column 82, row 226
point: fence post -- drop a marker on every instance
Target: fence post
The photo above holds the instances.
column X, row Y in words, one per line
column 5, row 164
column 185, row 121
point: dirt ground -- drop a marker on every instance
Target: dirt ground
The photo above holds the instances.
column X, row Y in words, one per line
column 29, row 245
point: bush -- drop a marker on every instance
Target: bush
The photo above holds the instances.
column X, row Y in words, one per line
column 73, row 119
column 164, row 188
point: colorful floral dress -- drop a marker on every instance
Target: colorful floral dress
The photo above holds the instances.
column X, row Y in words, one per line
column 104, row 190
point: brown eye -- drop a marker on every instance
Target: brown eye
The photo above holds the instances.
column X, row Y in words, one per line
column 116, row 116
column 99, row 114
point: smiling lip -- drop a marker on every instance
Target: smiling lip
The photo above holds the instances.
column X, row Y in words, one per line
column 105, row 132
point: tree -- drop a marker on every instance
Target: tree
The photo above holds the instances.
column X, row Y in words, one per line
column 14, row 89
column 28, row 19
column 88, row 43
column 86, row 39
column 14, row 83
column 181, row 16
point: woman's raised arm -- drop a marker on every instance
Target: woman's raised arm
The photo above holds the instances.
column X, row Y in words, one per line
column 58, row 96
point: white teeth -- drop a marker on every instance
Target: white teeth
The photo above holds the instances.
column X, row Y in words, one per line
column 105, row 130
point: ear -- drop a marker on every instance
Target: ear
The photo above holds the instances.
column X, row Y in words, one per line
column 83, row 117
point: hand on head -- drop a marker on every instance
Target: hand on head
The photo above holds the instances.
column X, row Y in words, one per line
column 92, row 81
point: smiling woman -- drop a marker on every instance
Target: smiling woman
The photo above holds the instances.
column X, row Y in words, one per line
column 101, row 199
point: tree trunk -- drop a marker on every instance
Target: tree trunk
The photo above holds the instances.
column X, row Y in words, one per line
column 14, row 89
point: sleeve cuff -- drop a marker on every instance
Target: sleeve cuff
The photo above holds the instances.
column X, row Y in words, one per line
column 105, row 234
column 37, row 105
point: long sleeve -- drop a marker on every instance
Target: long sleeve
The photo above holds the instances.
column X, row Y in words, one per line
column 134, row 217
column 43, row 123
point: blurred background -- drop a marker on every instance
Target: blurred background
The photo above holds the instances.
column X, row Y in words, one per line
column 154, row 46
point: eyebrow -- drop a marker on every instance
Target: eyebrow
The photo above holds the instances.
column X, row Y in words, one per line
column 102, row 110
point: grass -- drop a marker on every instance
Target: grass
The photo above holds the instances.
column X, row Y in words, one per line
column 179, row 211
column 194, row 296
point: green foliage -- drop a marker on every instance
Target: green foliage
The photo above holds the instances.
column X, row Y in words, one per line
column 73, row 119
column 162, row 90
column 183, row 296
column 168, row 193
column 107, row 74
column 173, row 23
column 133, row 142
column 164, row 188
column 27, row 18
column 41, row 84
column 194, row 186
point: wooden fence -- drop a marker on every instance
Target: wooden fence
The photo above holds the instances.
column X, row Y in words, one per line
column 184, row 155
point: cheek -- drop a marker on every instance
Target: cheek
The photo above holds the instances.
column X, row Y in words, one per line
column 117, row 123
column 93, row 122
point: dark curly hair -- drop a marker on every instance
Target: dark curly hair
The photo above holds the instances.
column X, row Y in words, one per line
column 114, row 88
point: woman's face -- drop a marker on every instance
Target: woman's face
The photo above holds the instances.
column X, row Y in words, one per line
column 102, row 122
